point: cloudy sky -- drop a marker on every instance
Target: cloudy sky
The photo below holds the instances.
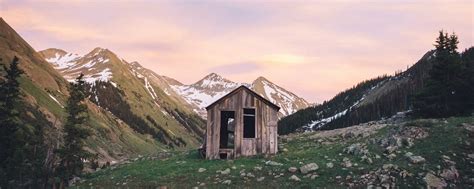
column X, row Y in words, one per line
column 313, row 48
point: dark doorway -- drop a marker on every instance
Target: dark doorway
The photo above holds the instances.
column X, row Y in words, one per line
column 227, row 129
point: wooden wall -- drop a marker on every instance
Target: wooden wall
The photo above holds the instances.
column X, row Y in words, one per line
column 265, row 141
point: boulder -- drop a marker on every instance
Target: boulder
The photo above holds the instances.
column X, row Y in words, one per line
column 226, row 171
column 227, row 182
column 433, row 181
column 309, row 167
column 295, row 178
column 260, row 179
column 416, row 159
column 329, row 165
column 450, row 174
column 200, row 170
column 273, row 163
column 292, row 169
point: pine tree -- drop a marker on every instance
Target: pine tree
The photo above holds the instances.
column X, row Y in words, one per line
column 10, row 123
column 72, row 154
column 443, row 94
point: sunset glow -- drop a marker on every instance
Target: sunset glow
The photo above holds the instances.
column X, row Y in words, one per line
column 312, row 48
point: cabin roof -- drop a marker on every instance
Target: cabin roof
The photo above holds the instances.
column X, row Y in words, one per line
column 243, row 87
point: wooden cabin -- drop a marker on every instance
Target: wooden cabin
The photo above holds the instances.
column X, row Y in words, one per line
column 242, row 123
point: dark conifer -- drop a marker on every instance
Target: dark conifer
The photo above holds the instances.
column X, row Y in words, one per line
column 73, row 154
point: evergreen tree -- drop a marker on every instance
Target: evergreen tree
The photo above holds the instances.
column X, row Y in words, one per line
column 443, row 94
column 72, row 154
column 9, row 122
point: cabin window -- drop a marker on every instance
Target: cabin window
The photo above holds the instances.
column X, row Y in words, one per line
column 249, row 123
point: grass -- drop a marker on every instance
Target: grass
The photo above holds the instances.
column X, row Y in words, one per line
column 181, row 169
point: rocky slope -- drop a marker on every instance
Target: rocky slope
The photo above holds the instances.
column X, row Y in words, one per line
column 213, row 86
column 394, row 153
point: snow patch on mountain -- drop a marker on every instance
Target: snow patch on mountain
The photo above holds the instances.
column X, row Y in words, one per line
column 63, row 61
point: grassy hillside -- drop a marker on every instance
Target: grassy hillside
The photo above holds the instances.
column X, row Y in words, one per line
column 406, row 154
column 45, row 93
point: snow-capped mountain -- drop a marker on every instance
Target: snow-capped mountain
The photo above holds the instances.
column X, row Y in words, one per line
column 288, row 102
column 213, row 86
column 95, row 65
column 136, row 95
column 101, row 64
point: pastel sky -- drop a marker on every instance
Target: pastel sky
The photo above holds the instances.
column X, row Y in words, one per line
column 313, row 48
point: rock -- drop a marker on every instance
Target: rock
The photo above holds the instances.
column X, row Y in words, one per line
column 295, row 178
column 272, row 163
column 314, row 177
column 257, row 168
column 416, row 159
column 388, row 167
column 260, row 179
column 391, row 156
column 408, row 154
column 338, row 177
column 234, row 167
column 450, row 174
column 405, row 174
column 250, row 175
column 225, row 172
column 309, row 167
column 356, row 149
column 470, row 156
column 347, row 164
column 292, row 169
column 200, row 170
column 433, row 181
column 227, row 182
column 329, row 165
column 391, row 149
column 284, row 150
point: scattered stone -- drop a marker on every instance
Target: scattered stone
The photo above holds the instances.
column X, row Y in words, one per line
column 470, row 156
column 391, row 156
column 314, row 177
column 250, row 175
column 225, row 172
column 257, row 168
column 391, row 149
column 295, row 178
column 450, row 174
column 284, row 150
column 200, row 170
column 292, row 169
column 309, row 167
column 338, row 177
column 234, row 167
column 260, row 179
column 227, row 182
column 388, row 167
column 273, row 163
column 416, row 159
column 329, row 165
column 356, row 149
column 433, row 181
column 346, row 163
